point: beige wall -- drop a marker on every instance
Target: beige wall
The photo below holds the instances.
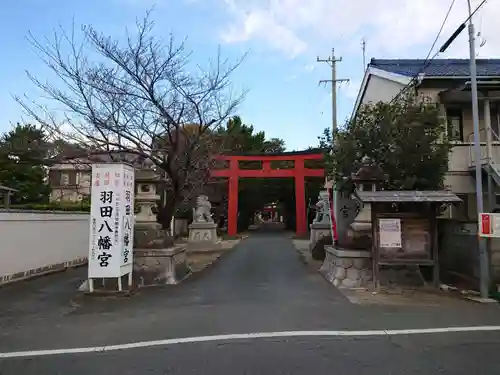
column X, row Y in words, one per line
column 69, row 183
column 69, row 194
column 36, row 242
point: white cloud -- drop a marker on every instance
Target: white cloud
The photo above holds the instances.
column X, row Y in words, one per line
column 257, row 23
column 391, row 27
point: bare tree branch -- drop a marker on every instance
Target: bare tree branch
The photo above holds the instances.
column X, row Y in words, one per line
column 143, row 96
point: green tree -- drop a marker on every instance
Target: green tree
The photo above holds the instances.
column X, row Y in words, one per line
column 242, row 139
column 254, row 193
column 23, row 156
column 405, row 137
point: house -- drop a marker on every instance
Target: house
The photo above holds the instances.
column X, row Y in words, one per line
column 446, row 82
column 70, row 178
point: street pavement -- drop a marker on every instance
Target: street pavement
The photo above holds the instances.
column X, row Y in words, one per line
column 259, row 287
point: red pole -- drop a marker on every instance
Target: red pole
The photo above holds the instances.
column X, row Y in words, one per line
column 300, row 198
column 232, row 224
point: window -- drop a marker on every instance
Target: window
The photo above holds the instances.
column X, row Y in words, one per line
column 83, row 179
column 367, row 187
column 455, row 124
column 64, row 179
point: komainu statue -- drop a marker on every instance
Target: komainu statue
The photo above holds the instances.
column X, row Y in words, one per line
column 202, row 212
column 322, row 209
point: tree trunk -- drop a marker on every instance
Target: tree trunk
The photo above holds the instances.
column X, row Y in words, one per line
column 165, row 214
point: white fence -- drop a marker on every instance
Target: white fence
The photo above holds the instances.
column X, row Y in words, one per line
column 36, row 242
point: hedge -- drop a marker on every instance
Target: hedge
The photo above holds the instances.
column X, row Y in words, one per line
column 53, row 206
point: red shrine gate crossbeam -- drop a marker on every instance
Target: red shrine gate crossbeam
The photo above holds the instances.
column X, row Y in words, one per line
column 298, row 172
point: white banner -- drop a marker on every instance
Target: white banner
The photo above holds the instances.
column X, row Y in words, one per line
column 111, row 220
column 390, row 233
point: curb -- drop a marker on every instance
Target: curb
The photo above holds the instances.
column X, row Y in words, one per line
column 42, row 271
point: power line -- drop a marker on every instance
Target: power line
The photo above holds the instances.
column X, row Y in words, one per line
column 441, row 28
column 459, row 29
column 427, row 61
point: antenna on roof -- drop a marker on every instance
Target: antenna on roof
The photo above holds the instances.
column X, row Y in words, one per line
column 363, row 48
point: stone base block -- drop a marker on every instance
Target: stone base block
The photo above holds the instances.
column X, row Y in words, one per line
column 203, row 232
column 348, row 269
column 318, row 230
column 204, row 246
column 160, row 266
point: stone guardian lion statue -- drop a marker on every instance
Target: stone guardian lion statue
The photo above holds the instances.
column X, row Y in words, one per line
column 202, row 212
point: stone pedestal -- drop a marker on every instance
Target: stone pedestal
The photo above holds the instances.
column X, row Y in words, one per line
column 347, row 268
column 318, row 230
column 160, row 266
column 203, row 233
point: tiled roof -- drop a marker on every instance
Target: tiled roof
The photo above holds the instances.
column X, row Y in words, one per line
column 408, row 196
column 438, row 67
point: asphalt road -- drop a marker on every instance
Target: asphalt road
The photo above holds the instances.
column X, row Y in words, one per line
column 457, row 355
column 259, row 287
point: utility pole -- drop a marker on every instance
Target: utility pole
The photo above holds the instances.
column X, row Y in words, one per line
column 483, row 248
column 332, row 61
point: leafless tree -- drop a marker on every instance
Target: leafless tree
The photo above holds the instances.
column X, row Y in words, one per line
column 142, row 95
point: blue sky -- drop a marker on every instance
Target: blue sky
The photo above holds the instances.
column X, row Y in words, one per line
column 282, row 38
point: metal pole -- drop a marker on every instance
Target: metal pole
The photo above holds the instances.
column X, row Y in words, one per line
column 483, row 250
column 333, row 215
column 334, row 96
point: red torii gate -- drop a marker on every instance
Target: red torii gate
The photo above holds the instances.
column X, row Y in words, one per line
column 298, row 172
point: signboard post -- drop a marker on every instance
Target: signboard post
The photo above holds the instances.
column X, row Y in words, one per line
column 111, row 223
column 489, row 225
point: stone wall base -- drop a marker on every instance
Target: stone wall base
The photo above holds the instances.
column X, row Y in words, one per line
column 347, row 268
column 160, row 266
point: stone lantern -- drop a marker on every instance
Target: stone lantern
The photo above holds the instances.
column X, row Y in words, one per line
column 369, row 177
column 157, row 260
column 348, row 264
column 146, row 181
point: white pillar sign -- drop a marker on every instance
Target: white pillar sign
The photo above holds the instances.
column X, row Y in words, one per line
column 111, row 221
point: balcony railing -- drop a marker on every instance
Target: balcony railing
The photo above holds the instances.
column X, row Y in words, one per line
column 495, row 148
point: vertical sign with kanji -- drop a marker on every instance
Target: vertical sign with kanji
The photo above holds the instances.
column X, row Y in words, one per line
column 109, row 201
column 127, row 222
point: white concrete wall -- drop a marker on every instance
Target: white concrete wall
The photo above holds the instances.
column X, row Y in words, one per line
column 39, row 242
column 380, row 89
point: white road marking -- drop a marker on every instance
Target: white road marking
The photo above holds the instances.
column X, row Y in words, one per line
column 243, row 336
